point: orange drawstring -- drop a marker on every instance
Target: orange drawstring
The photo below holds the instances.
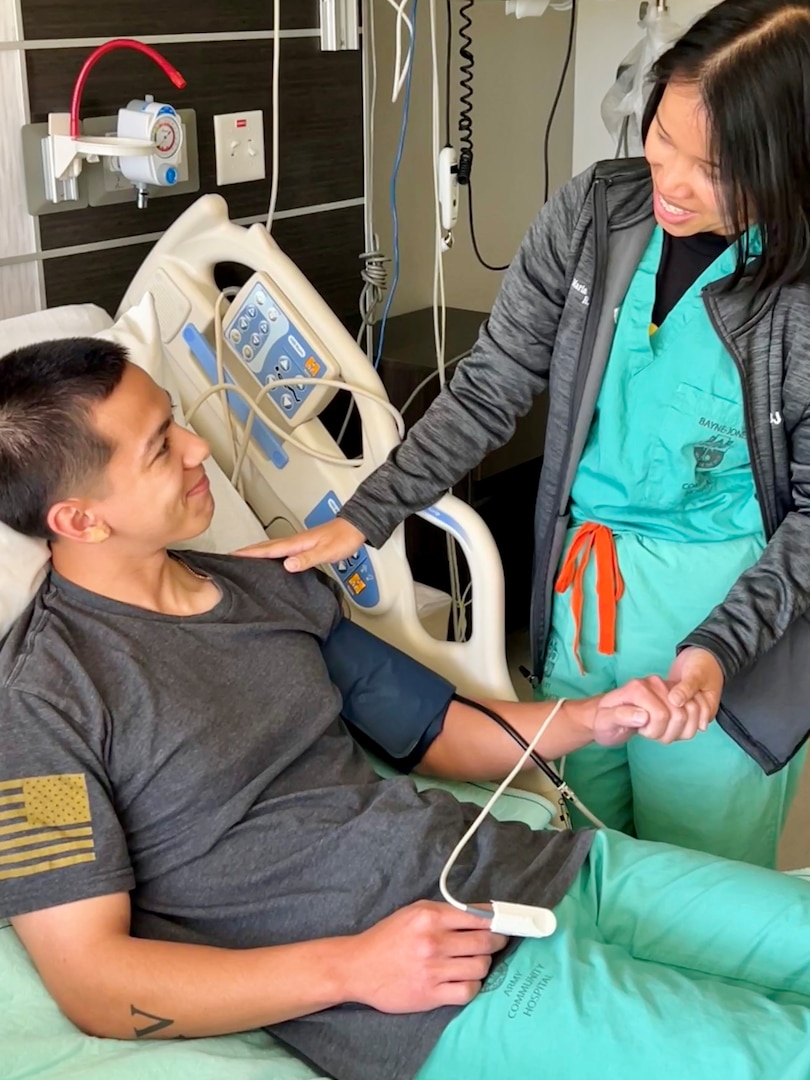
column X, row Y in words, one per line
column 598, row 539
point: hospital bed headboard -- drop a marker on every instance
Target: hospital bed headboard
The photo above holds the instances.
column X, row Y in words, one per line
column 279, row 328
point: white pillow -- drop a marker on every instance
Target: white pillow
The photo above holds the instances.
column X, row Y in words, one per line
column 75, row 320
column 23, row 561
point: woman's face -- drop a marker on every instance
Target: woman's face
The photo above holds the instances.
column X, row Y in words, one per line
column 685, row 194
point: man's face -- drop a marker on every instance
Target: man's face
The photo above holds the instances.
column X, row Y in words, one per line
column 154, row 491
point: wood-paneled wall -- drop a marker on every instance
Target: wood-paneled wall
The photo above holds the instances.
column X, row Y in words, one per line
column 321, row 132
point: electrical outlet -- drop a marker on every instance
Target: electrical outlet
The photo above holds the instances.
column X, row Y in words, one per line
column 239, row 143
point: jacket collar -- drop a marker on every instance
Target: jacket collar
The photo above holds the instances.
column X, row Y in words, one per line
column 629, row 200
column 629, row 190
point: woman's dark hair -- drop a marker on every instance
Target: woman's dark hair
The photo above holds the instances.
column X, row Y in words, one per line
column 751, row 62
column 48, row 447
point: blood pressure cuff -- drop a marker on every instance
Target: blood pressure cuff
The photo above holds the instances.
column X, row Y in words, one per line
column 393, row 705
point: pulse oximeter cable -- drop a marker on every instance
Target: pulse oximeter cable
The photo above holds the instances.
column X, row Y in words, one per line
column 566, row 792
column 473, row 829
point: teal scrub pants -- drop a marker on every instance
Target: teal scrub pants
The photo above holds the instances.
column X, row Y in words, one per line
column 705, row 793
column 665, row 964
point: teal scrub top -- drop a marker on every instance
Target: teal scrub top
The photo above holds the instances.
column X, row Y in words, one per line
column 667, row 454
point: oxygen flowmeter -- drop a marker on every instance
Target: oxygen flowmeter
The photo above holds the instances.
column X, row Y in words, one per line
column 159, row 124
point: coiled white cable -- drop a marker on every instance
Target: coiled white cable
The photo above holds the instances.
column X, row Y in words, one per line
column 285, row 436
column 374, row 272
column 375, row 277
column 473, row 829
column 375, row 281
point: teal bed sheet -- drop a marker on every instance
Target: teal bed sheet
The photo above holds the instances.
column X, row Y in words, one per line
column 36, row 1041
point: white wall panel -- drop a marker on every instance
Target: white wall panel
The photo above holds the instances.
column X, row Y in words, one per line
column 20, row 290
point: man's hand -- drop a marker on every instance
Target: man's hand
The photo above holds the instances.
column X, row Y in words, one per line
column 327, row 543
column 616, row 720
column 678, row 708
column 665, row 723
column 422, row 957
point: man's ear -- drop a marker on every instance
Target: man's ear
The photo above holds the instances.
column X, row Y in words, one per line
column 72, row 520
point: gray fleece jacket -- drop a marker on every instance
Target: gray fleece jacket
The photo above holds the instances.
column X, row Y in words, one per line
column 552, row 328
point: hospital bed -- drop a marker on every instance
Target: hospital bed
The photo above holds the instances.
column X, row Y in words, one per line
column 277, row 332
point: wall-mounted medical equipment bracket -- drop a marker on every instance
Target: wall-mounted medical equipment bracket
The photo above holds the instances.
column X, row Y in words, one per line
column 63, row 149
column 100, row 181
column 62, row 156
column 340, row 25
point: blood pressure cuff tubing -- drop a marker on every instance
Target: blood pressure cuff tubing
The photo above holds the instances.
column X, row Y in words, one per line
column 393, row 705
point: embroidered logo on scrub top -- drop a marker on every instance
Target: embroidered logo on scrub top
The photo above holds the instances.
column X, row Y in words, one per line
column 708, row 456
column 496, row 978
column 723, row 429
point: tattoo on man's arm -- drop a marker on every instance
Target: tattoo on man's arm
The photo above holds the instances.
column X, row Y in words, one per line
column 159, row 1023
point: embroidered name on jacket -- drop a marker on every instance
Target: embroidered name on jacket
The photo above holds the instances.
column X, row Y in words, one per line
column 583, row 291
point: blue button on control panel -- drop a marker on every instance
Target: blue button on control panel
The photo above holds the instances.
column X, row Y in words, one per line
column 263, row 338
column 356, row 573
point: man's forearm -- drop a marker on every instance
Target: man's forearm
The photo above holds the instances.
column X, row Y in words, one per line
column 135, row 989
column 471, row 746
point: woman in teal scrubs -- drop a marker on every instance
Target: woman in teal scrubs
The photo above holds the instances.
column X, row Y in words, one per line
column 665, row 306
column 665, row 479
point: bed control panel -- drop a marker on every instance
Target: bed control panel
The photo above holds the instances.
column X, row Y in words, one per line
column 262, row 435
column 356, row 574
column 274, row 345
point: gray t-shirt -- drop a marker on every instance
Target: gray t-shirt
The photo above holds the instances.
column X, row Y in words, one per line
column 202, row 764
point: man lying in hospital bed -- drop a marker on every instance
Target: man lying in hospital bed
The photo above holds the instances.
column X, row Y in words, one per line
column 191, row 842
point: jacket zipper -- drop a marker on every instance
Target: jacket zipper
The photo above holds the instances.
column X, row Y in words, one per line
column 600, row 244
column 756, row 471
column 600, row 220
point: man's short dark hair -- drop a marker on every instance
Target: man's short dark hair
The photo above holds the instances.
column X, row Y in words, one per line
column 48, row 448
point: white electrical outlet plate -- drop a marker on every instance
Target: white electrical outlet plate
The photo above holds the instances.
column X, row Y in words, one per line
column 239, row 142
